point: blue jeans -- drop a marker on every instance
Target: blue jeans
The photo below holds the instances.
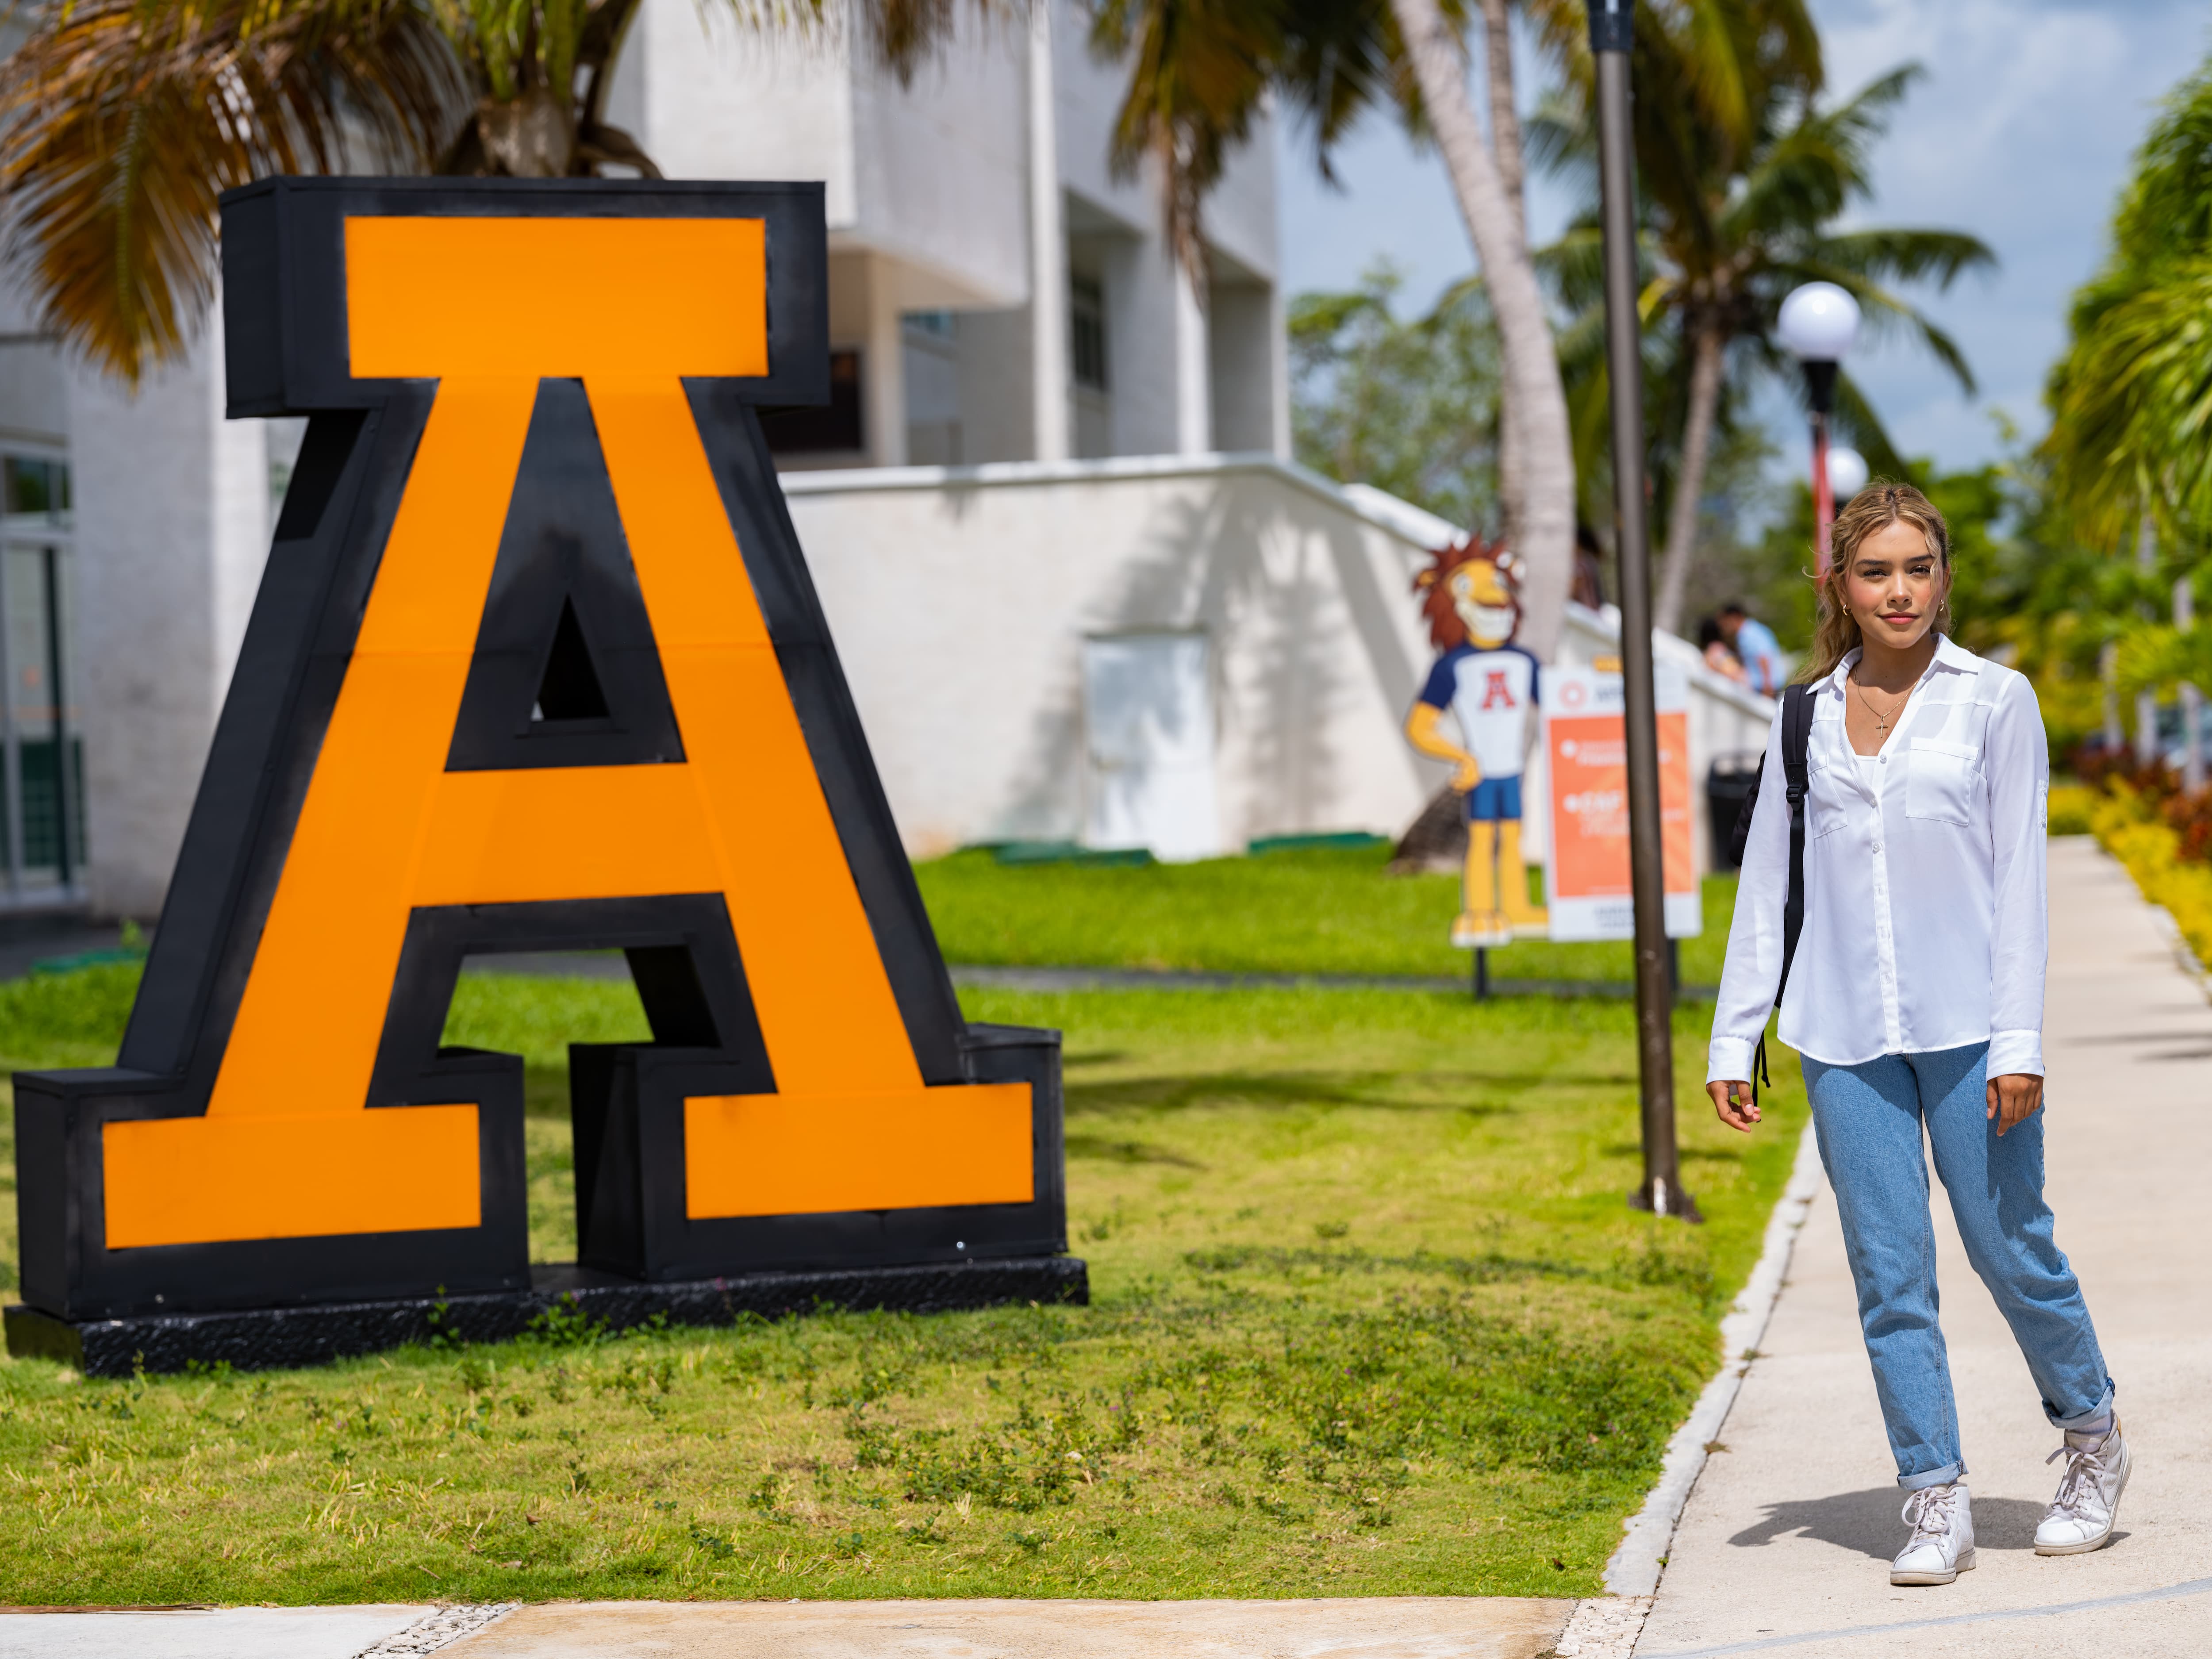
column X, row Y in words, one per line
column 1868, row 1119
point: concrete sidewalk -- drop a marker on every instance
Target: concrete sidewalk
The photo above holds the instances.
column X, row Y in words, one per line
column 1786, row 1542
column 209, row 1633
column 1397, row 1627
column 1392, row 1627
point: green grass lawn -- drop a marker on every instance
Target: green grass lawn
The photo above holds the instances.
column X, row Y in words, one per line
column 1322, row 911
column 1370, row 1317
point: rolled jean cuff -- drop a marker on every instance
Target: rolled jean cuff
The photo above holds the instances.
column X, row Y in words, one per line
column 2103, row 1407
column 1942, row 1477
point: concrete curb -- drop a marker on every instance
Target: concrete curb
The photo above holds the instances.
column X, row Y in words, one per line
column 1634, row 1570
column 439, row 1627
column 1604, row 1627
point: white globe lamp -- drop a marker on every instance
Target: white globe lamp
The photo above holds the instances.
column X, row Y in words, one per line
column 1816, row 325
column 1847, row 473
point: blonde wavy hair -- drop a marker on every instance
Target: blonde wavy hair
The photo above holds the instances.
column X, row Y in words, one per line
column 1879, row 505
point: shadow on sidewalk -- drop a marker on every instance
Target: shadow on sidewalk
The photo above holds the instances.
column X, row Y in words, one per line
column 1866, row 1522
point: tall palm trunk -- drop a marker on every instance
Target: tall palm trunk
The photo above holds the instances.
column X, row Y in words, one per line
column 1706, row 349
column 1531, row 364
column 1506, row 148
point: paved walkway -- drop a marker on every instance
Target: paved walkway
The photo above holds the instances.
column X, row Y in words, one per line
column 1405, row 1627
column 210, row 1633
column 1786, row 1542
column 1398, row 1627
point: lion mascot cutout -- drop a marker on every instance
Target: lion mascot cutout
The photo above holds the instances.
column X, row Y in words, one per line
column 1471, row 599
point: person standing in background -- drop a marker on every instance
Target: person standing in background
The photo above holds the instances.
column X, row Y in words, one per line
column 1755, row 648
column 1718, row 656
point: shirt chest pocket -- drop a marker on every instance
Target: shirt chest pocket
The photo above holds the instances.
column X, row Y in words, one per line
column 1939, row 781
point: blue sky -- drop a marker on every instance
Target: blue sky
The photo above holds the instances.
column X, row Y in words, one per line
column 2020, row 132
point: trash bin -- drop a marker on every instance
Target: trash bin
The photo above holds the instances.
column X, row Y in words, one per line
column 1728, row 786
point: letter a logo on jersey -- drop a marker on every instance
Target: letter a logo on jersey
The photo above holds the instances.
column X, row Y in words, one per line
column 536, row 666
column 1497, row 690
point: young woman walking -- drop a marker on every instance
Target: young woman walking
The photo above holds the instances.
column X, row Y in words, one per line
column 1915, row 1000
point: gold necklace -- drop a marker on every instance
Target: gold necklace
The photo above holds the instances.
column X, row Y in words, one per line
column 1881, row 720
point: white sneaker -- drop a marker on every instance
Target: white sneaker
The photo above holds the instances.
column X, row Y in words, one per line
column 1942, row 1542
column 2080, row 1519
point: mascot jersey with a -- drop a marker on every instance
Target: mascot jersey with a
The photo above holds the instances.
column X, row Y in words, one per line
column 1489, row 684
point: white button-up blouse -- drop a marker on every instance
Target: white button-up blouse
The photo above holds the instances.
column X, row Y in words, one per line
column 1925, row 921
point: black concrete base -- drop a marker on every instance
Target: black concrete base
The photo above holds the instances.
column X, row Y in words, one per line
column 260, row 1339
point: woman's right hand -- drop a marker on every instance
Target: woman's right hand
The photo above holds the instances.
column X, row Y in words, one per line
column 1733, row 1101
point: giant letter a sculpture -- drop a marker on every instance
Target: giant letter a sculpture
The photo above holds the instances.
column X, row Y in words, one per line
column 536, row 664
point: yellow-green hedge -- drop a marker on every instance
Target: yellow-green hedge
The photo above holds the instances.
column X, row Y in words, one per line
column 2147, row 848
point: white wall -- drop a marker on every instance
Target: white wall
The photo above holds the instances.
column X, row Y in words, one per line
column 960, row 598
column 942, row 168
column 172, row 528
column 709, row 98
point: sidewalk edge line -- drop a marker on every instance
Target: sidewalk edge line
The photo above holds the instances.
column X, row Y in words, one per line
column 2185, row 954
column 2184, row 957
column 1635, row 1567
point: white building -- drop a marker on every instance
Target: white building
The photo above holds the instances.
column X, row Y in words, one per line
column 1078, row 588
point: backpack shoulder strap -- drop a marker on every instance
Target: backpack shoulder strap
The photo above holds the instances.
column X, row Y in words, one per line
column 1796, row 745
column 1796, row 737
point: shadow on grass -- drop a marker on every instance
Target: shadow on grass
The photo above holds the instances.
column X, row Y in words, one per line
column 1317, row 1089
column 1700, row 1154
column 1648, row 1268
column 545, row 1091
column 1126, row 1151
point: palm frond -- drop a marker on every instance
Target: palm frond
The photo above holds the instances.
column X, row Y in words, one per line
column 1896, row 255
column 121, row 122
column 2131, row 409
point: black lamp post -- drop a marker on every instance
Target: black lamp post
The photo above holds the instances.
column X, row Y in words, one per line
column 1612, row 34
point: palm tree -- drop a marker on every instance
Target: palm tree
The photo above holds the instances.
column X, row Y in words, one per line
column 121, row 121
column 2131, row 406
column 1728, row 231
column 1202, row 70
column 1203, row 66
column 2131, row 398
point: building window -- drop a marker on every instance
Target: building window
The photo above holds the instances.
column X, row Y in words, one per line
column 1086, row 317
column 36, row 486
column 832, row 428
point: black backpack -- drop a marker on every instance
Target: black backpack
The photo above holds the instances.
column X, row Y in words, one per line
column 1796, row 742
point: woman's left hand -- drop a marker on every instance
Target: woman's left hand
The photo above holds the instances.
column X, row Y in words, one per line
column 2014, row 1098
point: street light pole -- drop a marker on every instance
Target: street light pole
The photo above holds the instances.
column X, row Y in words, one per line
column 1611, row 30
column 1824, row 494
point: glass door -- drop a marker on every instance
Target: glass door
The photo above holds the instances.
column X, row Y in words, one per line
column 41, row 755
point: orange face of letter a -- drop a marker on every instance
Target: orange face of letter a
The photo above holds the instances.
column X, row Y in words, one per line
column 288, row 1146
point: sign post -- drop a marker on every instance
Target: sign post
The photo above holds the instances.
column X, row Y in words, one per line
column 1612, row 32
